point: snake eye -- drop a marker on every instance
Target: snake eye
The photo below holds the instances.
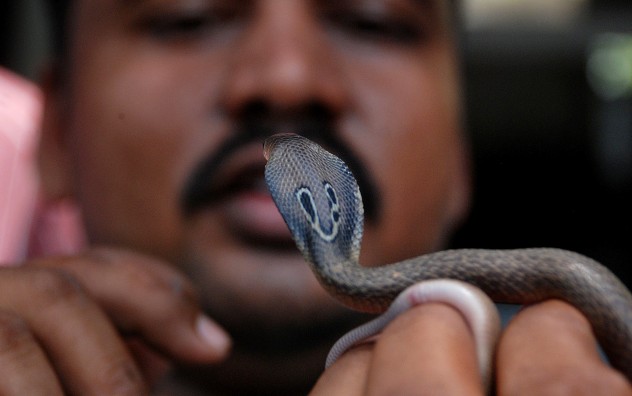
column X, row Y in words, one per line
column 307, row 203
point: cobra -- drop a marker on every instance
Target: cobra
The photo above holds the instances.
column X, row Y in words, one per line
column 320, row 201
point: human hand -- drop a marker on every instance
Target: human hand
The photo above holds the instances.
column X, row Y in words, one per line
column 65, row 322
column 547, row 349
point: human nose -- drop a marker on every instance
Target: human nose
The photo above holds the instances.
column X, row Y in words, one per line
column 285, row 61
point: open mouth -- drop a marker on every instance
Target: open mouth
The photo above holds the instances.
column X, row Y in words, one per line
column 235, row 189
column 248, row 179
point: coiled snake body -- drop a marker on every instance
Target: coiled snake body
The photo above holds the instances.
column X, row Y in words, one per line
column 321, row 204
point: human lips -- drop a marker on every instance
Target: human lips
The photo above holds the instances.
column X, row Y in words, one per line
column 241, row 196
column 252, row 213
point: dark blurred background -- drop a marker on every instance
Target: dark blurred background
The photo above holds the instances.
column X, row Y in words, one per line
column 549, row 108
column 549, row 104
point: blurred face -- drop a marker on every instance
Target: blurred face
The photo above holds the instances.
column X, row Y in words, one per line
column 167, row 104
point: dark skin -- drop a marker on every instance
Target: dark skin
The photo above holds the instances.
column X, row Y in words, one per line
column 155, row 87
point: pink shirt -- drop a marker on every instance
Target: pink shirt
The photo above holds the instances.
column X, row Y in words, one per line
column 28, row 226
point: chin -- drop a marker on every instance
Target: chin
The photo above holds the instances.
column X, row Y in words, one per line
column 272, row 290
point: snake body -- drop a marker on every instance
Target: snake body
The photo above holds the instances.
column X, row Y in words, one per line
column 321, row 203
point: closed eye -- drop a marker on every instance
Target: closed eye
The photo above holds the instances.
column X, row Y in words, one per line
column 192, row 24
column 375, row 26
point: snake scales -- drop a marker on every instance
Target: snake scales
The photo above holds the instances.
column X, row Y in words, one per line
column 321, row 204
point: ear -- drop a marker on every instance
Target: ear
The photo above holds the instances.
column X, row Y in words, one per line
column 53, row 155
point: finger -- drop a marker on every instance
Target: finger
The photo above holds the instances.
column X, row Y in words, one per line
column 24, row 367
column 427, row 350
column 549, row 348
column 154, row 366
column 348, row 376
column 148, row 298
column 84, row 349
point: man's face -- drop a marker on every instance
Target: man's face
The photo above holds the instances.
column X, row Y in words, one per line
column 160, row 89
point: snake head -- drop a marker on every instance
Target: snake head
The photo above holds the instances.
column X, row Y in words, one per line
column 317, row 196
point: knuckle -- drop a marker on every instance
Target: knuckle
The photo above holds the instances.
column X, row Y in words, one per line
column 612, row 382
column 14, row 333
column 588, row 379
column 152, row 280
column 156, row 283
column 122, row 378
column 55, row 286
column 147, row 280
column 146, row 274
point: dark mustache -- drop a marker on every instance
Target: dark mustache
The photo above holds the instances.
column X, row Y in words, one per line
column 201, row 190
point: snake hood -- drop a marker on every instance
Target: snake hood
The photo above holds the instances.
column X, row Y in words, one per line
column 303, row 183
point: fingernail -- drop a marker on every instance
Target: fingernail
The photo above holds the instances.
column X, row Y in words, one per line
column 213, row 335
